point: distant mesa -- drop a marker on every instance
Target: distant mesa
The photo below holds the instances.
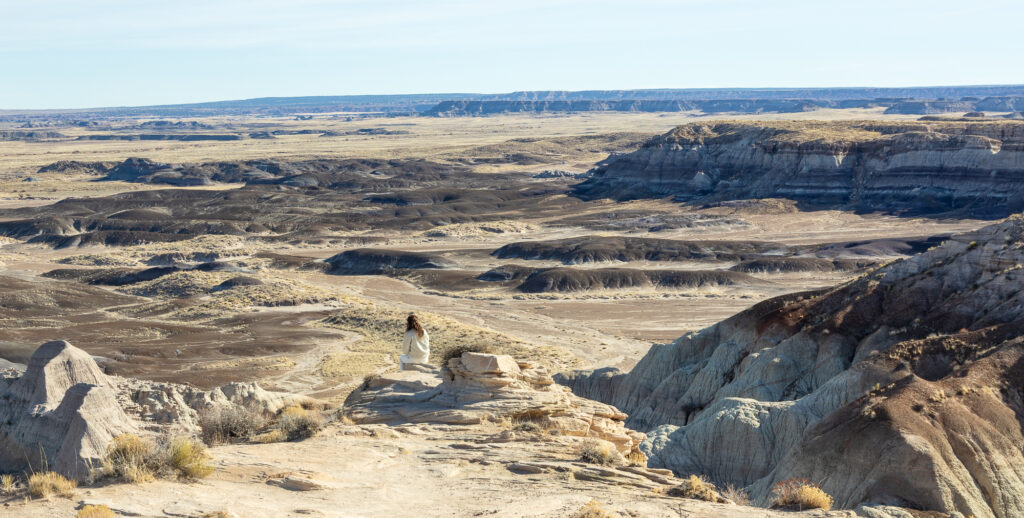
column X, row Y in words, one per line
column 972, row 167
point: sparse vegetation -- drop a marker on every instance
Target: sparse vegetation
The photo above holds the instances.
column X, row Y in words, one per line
column 696, row 487
column 596, row 451
column 736, row 495
column 131, row 458
column 801, row 494
column 592, row 509
column 636, row 458
column 95, row 511
column 189, row 458
column 230, row 423
column 381, row 326
column 137, row 459
column 7, row 483
column 46, row 484
column 297, row 423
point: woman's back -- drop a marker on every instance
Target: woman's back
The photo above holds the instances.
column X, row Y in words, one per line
column 415, row 343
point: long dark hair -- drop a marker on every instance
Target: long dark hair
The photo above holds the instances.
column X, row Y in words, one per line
column 413, row 323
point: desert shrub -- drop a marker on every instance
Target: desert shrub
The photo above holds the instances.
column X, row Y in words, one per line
column 599, row 452
column 592, row 509
column 297, row 423
column 697, row 488
column 457, row 350
column 45, row 484
column 95, row 511
column 736, row 495
column 230, row 423
column 801, row 493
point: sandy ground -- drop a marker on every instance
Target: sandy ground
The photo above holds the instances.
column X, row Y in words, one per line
column 420, row 471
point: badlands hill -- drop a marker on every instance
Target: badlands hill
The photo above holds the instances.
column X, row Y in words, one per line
column 922, row 167
column 904, row 387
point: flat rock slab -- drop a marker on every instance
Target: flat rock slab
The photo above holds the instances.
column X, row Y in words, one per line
column 478, row 363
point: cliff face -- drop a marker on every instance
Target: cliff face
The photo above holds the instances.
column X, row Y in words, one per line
column 904, row 387
column 919, row 167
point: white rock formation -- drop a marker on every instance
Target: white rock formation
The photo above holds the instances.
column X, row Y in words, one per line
column 60, row 414
column 904, row 387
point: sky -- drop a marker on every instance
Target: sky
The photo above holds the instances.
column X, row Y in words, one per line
column 91, row 53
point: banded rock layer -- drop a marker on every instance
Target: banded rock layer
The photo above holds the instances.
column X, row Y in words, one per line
column 916, row 167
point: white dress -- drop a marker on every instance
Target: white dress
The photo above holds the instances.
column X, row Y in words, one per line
column 415, row 348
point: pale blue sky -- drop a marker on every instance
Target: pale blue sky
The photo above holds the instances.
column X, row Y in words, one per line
column 87, row 53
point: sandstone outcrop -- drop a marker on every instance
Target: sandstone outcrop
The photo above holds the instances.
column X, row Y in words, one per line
column 914, row 167
column 60, row 414
column 479, row 387
column 903, row 387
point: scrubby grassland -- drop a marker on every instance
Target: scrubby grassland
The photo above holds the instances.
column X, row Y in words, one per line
column 378, row 325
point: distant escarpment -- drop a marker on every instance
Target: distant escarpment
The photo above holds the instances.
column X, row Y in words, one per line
column 921, row 167
column 495, row 107
column 904, row 387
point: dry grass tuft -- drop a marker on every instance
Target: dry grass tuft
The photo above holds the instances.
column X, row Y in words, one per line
column 189, row 458
column 275, row 435
column 802, row 494
column 697, row 487
column 592, row 509
column 8, row 483
column 95, row 511
column 736, row 495
column 131, row 458
column 47, row 484
column 599, row 452
column 136, row 460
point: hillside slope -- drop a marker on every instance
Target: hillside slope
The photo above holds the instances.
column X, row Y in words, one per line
column 904, row 387
column 922, row 167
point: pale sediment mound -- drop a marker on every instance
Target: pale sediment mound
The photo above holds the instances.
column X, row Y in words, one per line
column 177, row 407
column 480, row 387
column 904, row 387
column 60, row 414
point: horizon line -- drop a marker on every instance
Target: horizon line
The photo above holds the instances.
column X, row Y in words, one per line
column 10, row 111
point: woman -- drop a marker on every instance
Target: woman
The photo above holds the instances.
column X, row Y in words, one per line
column 415, row 345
